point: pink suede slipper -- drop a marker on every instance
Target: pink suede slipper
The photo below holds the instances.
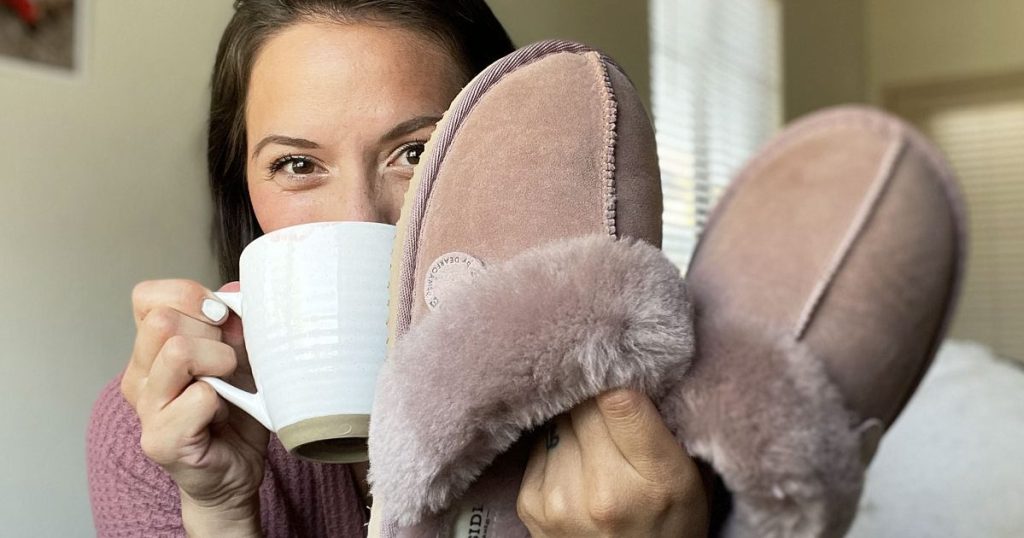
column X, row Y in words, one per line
column 528, row 280
column 824, row 282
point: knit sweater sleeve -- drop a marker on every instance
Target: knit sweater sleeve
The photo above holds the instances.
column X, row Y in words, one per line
column 130, row 495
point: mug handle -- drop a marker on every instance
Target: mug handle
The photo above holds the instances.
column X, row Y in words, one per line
column 251, row 403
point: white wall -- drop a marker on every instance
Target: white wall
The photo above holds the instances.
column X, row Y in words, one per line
column 103, row 185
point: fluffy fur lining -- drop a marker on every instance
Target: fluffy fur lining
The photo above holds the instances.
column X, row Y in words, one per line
column 526, row 340
column 532, row 337
column 762, row 411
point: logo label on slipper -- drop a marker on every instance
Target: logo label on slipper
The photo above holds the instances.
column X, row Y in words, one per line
column 448, row 272
column 474, row 522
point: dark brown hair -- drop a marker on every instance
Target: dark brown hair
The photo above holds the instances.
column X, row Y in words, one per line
column 467, row 28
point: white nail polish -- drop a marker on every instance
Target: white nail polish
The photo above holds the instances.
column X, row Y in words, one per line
column 215, row 310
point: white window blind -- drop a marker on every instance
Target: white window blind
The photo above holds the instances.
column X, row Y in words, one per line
column 715, row 72
column 980, row 128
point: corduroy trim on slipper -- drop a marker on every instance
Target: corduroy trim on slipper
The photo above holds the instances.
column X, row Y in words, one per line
column 528, row 339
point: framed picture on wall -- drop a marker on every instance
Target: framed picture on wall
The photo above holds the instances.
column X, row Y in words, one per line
column 42, row 33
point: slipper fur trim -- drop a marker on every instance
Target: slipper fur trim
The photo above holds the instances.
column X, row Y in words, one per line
column 774, row 427
column 526, row 340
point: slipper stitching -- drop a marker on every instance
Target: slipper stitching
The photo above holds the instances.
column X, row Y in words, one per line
column 860, row 220
column 611, row 111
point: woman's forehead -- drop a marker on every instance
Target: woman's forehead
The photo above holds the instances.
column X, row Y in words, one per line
column 314, row 76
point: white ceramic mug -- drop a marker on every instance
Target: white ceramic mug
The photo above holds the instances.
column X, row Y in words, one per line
column 314, row 311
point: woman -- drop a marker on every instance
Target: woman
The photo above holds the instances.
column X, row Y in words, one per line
column 319, row 112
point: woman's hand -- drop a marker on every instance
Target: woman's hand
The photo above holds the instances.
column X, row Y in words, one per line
column 611, row 468
column 213, row 452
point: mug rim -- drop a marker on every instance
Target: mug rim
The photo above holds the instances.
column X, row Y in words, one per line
column 321, row 223
column 318, row 224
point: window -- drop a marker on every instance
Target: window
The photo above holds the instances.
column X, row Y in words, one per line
column 716, row 79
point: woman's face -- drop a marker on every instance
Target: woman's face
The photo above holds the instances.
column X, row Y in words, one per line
column 336, row 118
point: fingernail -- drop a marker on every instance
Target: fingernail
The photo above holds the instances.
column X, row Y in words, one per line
column 215, row 310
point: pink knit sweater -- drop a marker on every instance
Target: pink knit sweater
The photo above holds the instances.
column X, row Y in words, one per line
column 132, row 496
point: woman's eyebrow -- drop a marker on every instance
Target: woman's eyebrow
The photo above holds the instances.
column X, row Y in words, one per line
column 284, row 141
column 409, row 126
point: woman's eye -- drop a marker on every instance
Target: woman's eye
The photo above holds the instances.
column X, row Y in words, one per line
column 294, row 165
column 299, row 166
column 409, row 154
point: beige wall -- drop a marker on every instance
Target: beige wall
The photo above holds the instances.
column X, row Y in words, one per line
column 824, row 60
column 915, row 41
column 618, row 27
column 103, row 186
column 855, row 50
